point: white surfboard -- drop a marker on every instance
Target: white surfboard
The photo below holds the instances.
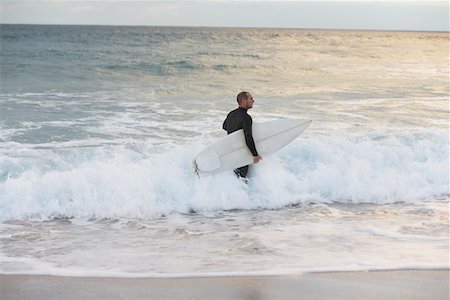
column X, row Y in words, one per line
column 231, row 152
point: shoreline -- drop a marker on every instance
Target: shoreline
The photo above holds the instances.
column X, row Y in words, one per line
column 242, row 274
column 377, row 284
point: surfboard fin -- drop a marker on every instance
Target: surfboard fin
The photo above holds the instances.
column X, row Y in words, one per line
column 196, row 168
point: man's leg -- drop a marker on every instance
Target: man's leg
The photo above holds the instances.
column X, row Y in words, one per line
column 241, row 172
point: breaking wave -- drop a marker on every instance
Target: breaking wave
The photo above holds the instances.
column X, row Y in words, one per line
column 121, row 182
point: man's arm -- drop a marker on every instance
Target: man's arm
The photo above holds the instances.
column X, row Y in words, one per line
column 247, row 127
column 224, row 126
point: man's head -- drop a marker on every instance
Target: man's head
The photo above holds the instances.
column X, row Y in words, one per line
column 245, row 100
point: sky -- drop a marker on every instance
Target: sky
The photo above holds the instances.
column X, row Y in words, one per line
column 351, row 14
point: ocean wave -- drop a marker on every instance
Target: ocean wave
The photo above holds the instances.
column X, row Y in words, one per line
column 122, row 181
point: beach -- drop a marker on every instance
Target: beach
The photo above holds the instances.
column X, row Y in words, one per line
column 400, row 284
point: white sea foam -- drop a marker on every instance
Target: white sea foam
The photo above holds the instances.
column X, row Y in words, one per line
column 43, row 269
column 116, row 181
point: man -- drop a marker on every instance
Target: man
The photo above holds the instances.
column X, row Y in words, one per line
column 239, row 119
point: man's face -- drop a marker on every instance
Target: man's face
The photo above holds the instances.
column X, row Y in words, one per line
column 249, row 101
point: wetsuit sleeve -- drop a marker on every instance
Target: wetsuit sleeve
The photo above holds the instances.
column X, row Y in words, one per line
column 247, row 126
column 224, row 126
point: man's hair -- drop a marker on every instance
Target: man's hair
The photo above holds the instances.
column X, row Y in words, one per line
column 242, row 96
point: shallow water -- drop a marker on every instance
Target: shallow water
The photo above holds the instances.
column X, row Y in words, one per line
column 313, row 237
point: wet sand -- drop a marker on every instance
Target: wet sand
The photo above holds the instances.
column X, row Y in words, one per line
column 404, row 284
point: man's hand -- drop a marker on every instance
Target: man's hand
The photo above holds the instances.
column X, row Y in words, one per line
column 256, row 159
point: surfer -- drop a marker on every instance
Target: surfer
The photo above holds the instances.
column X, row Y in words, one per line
column 240, row 119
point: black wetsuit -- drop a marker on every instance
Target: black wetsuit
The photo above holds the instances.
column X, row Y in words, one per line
column 239, row 119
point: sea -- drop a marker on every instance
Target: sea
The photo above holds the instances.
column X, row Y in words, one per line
column 99, row 126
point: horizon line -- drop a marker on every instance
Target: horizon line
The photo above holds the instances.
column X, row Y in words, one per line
column 234, row 27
